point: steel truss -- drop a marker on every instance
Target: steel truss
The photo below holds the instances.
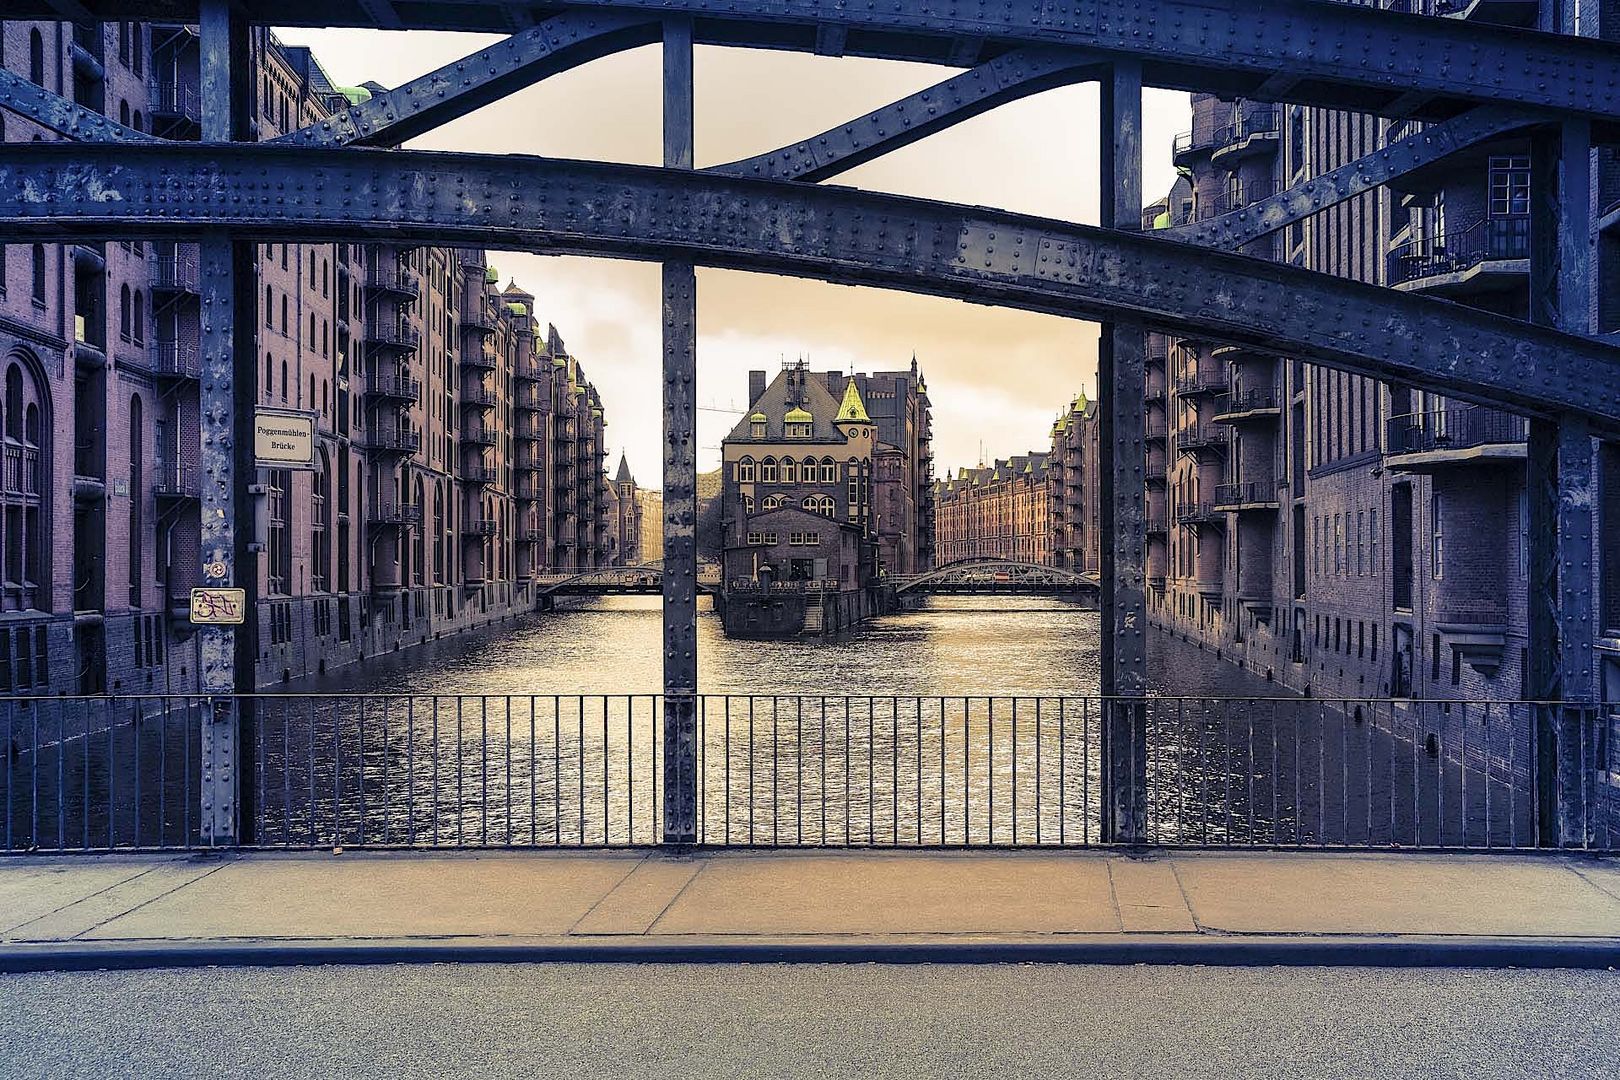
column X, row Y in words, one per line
column 763, row 214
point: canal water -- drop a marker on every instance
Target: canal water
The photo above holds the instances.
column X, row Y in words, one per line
column 952, row 646
column 970, row 721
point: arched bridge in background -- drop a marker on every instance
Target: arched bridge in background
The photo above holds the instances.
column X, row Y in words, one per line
column 339, row 179
column 646, row 579
column 1004, row 576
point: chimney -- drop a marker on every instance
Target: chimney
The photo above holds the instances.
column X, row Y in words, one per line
column 756, row 386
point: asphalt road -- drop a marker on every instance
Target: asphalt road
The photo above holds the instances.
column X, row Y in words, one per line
column 559, row 1021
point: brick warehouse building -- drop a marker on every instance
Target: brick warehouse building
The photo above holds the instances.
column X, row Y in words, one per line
column 1038, row 508
column 1342, row 535
column 460, row 449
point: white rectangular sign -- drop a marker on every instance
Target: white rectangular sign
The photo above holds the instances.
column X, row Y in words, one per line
column 284, row 439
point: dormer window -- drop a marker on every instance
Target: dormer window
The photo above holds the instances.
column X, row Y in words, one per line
column 797, row 424
column 756, row 426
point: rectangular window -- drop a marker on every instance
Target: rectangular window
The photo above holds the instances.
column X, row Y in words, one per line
column 1509, row 186
column 1361, row 538
column 1372, row 541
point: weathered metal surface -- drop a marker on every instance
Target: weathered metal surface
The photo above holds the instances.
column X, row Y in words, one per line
column 680, row 470
column 981, row 255
column 1121, row 375
column 1419, row 151
column 882, row 131
column 1346, row 54
column 228, row 655
column 1560, row 483
column 61, row 115
column 458, row 88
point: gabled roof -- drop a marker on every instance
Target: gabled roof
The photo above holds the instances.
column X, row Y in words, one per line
column 624, row 470
column 792, row 389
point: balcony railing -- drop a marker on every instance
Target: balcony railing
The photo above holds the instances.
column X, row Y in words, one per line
column 395, row 439
column 479, row 434
column 1155, row 428
column 478, row 473
column 395, row 385
column 396, row 279
column 480, row 396
column 1240, row 196
column 176, row 273
column 168, row 99
column 1202, row 382
column 478, row 526
column 1192, row 142
column 1203, row 437
column 1247, row 122
column 1460, row 250
column 1198, row 513
column 178, row 480
column 480, row 359
column 393, row 335
column 176, row 360
column 1463, row 427
column 1249, row 493
column 1246, row 400
column 392, row 513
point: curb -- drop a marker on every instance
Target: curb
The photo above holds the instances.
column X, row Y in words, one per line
column 1189, row 949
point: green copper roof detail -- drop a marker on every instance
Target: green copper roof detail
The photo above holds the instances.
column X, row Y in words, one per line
column 798, row 416
column 492, row 276
column 759, row 418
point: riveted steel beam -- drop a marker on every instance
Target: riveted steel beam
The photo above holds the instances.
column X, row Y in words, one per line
column 1346, row 55
column 1121, row 375
column 62, row 116
column 1008, row 77
column 1418, row 151
column 680, row 470
column 62, row 191
column 393, row 116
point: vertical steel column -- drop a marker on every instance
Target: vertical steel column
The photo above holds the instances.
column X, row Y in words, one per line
column 680, row 471
column 1559, row 480
column 227, row 655
column 1121, row 374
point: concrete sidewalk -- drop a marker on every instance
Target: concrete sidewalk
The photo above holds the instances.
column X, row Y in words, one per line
column 1104, row 907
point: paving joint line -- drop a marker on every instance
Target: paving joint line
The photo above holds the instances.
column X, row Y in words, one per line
column 638, row 864
column 9, row 930
column 227, row 861
column 703, row 865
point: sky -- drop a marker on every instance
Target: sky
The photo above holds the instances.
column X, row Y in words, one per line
column 996, row 377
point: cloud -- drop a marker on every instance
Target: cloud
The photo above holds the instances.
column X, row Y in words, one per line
column 996, row 376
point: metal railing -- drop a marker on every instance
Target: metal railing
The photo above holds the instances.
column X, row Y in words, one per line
column 176, row 273
column 177, row 359
column 1248, row 121
column 1248, row 493
column 804, row 770
column 1463, row 427
column 1246, row 399
column 1455, row 251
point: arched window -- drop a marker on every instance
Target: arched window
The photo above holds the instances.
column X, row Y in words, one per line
column 790, row 471
column 269, row 308
column 819, row 504
column 269, row 375
column 419, row 569
column 775, row 502
column 137, row 497
column 123, row 313
column 748, row 504
column 745, row 470
column 767, row 471
column 829, row 471
column 284, row 382
column 123, row 113
column 138, row 310
column 36, row 58
column 438, row 531
column 140, row 125
column 24, row 505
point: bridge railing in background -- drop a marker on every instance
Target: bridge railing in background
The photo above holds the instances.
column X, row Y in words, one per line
column 788, row 770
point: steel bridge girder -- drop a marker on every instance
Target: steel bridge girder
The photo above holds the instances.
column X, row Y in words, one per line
column 62, row 191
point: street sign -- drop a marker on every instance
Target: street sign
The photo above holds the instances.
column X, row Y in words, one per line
column 284, row 439
column 218, row 607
